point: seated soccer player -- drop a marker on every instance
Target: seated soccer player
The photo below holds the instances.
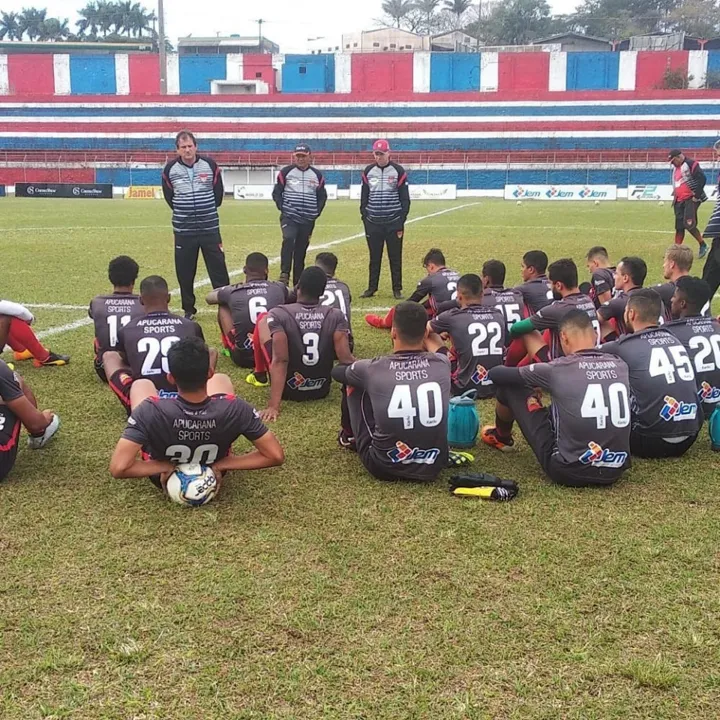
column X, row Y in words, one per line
column 535, row 289
column 629, row 278
column 583, row 439
column 509, row 300
column 15, row 331
column 111, row 312
column 298, row 343
column 563, row 276
column 439, row 286
column 143, row 344
column 677, row 263
column 19, row 407
column 602, row 280
column 700, row 335
column 477, row 333
column 666, row 418
column 398, row 404
column 200, row 425
column 337, row 293
column 242, row 304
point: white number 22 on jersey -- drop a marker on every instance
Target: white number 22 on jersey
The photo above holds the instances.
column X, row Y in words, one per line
column 401, row 405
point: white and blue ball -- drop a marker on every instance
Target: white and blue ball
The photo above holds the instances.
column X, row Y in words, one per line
column 192, row 485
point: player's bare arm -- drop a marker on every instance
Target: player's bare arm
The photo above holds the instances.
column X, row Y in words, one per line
column 267, row 453
column 341, row 341
column 125, row 462
column 278, row 375
column 433, row 341
column 212, row 297
column 35, row 421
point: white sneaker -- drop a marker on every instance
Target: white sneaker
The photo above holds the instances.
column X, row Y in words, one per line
column 36, row 443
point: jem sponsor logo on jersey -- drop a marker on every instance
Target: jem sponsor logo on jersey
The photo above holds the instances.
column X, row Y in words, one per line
column 300, row 382
column 708, row 393
column 248, row 344
column 598, row 456
column 406, row 455
column 480, row 376
column 167, row 394
column 677, row 411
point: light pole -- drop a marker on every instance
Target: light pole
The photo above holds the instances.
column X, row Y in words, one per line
column 161, row 46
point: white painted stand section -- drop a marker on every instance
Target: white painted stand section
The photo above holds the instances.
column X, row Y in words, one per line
column 488, row 72
column 61, row 70
column 421, row 72
column 122, row 74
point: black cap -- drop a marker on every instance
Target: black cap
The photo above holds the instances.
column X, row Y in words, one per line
column 302, row 149
column 674, row 153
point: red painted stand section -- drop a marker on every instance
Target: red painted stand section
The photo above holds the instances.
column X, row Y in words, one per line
column 376, row 74
column 523, row 71
column 259, row 67
column 9, row 176
column 651, row 66
column 144, row 73
column 31, row 75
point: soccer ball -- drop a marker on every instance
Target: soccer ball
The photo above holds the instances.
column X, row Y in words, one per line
column 597, row 202
column 192, row 485
column 519, row 202
column 661, row 203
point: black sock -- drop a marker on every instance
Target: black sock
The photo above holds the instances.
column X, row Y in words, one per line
column 260, row 376
column 503, row 428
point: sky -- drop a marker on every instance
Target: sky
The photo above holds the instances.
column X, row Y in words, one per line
column 288, row 22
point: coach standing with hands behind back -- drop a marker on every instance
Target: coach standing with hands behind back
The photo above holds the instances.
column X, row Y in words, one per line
column 193, row 188
column 384, row 207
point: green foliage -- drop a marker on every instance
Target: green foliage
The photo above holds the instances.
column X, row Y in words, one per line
column 674, row 79
column 517, row 22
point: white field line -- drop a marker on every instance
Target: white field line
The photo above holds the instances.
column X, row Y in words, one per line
column 273, row 261
column 149, row 227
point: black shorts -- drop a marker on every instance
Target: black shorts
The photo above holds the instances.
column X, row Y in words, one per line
column 536, row 425
column 98, row 363
column 120, row 383
column 241, row 352
column 685, row 215
column 646, row 446
column 9, row 436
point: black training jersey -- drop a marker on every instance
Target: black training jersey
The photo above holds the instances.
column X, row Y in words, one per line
column 439, row 287
column 537, row 293
column 509, row 300
column 337, row 294
column 109, row 313
column 9, row 384
column 601, row 282
column 550, row 317
column 146, row 340
column 310, row 331
column 183, row 432
column 478, row 337
column 410, row 396
column 662, row 382
column 590, row 407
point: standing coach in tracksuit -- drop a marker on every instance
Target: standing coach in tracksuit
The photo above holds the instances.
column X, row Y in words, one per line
column 300, row 196
column 384, row 207
column 193, row 188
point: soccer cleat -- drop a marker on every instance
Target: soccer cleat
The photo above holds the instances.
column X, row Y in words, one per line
column 11, row 366
column 490, row 437
column 397, row 294
column 225, row 352
column 252, row 380
column 458, row 459
column 53, row 360
column 36, row 442
column 189, row 315
column 703, row 251
column 24, row 355
column 346, row 441
column 368, row 294
column 376, row 321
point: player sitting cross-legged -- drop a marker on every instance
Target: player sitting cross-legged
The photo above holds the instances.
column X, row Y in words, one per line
column 477, row 333
column 19, row 407
column 199, row 426
column 298, row 344
column 584, row 438
column 666, row 417
column 438, row 286
column 144, row 343
column 241, row 305
column 15, row 331
column 700, row 335
column 111, row 312
column 398, row 404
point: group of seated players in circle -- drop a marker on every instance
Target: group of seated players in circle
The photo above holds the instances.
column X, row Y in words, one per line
column 630, row 370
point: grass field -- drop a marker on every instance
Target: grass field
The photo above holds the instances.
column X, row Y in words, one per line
column 313, row 591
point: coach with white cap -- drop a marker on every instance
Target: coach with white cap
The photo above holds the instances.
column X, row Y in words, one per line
column 384, row 207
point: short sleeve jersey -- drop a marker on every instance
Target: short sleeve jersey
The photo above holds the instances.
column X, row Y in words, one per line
column 549, row 318
column 537, row 293
column 111, row 312
column 590, row 407
column 663, row 389
column 509, row 300
column 410, row 396
column 439, row 287
column 183, row 432
column 311, row 348
column 666, row 292
column 146, row 340
column 478, row 337
column 701, row 338
column 9, row 384
column 337, row 294
column 247, row 301
column 601, row 282
column 615, row 310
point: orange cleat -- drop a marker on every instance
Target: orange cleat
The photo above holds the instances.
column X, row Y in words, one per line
column 24, row 355
column 376, row 321
column 490, row 437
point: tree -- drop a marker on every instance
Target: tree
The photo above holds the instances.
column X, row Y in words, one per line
column 426, row 10
column 89, row 20
column 616, row 19
column 10, row 27
column 518, row 22
column 54, row 29
column 457, row 8
column 397, row 10
column 700, row 18
column 31, row 22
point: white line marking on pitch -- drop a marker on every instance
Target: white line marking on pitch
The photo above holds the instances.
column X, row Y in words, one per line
column 273, row 261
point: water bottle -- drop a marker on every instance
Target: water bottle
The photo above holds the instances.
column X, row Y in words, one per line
column 463, row 421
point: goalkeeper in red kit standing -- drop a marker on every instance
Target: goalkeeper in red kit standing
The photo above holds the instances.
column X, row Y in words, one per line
column 688, row 192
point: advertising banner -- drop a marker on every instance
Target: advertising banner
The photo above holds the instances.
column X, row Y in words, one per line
column 79, row 191
column 144, row 192
column 264, row 192
column 560, row 192
column 419, row 192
